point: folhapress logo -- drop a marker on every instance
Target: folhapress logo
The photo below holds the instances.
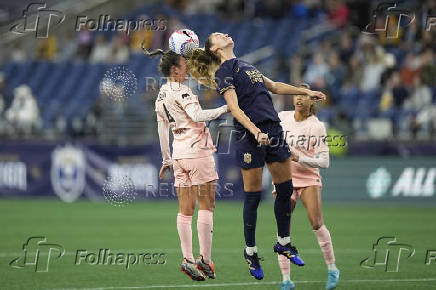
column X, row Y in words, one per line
column 386, row 253
column 382, row 16
column 44, row 20
column 38, row 253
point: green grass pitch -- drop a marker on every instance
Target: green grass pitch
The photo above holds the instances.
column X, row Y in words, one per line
column 150, row 227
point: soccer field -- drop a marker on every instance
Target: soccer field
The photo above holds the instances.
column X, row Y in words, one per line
column 149, row 227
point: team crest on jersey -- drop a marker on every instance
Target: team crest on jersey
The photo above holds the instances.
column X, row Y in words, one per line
column 161, row 96
column 247, row 158
column 68, row 172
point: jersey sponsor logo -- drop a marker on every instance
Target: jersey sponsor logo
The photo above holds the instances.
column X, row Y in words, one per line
column 68, row 172
column 255, row 76
column 247, row 158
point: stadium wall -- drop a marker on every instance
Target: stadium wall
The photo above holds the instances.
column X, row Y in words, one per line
column 78, row 171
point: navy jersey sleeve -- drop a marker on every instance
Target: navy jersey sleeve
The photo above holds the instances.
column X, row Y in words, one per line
column 224, row 78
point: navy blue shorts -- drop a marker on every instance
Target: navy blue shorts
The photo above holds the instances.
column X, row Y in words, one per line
column 250, row 154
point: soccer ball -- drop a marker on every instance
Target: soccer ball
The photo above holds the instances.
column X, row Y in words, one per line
column 183, row 42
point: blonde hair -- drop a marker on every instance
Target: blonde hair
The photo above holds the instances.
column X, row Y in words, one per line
column 202, row 64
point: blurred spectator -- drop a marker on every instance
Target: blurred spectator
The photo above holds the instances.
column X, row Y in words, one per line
column 47, row 48
column 120, row 51
column 316, row 72
column 84, row 44
column 345, row 47
column 420, row 98
column 336, row 73
column 295, row 69
column 69, row 48
column 18, row 54
column 23, row 112
column 337, row 12
column 428, row 68
column 139, row 36
column 101, row 52
column 410, row 70
column 372, row 72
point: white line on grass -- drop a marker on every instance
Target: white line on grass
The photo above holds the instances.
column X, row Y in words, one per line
column 252, row 284
column 177, row 250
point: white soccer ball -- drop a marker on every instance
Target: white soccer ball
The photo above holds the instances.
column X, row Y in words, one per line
column 183, row 42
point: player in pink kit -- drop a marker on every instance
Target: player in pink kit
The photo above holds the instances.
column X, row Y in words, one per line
column 306, row 135
column 178, row 109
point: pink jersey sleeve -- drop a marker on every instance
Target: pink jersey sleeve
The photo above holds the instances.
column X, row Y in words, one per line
column 321, row 134
column 158, row 107
column 185, row 98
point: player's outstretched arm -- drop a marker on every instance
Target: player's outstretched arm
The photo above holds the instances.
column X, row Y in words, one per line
column 232, row 103
column 197, row 114
column 286, row 89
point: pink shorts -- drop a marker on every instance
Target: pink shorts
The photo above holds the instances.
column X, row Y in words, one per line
column 296, row 194
column 194, row 171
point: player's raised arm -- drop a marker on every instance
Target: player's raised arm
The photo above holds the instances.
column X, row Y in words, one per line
column 286, row 89
column 232, row 103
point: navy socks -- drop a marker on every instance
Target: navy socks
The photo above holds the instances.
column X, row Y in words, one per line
column 251, row 202
column 282, row 207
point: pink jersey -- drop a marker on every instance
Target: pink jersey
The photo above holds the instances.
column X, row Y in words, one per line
column 306, row 137
column 191, row 139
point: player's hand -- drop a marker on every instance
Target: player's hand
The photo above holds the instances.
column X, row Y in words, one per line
column 295, row 156
column 262, row 139
column 163, row 169
column 317, row 96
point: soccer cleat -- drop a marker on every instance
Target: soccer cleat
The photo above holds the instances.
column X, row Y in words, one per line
column 190, row 269
column 289, row 252
column 207, row 269
column 254, row 265
column 332, row 279
column 287, row 285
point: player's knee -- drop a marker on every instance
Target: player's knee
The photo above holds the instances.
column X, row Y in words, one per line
column 316, row 224
column 188, row 210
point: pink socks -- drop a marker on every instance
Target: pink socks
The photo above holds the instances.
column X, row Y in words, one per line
column 325, row 243
column 185, row 234
column 205, row 231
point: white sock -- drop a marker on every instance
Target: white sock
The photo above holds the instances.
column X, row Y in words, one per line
column 284, row 241
column 331, row 267
column 286, row 277
column 251, row 250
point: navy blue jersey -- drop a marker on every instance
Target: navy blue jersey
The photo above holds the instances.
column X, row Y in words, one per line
column 253, row 96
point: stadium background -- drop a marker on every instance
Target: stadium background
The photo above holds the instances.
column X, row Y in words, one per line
column 62, row 141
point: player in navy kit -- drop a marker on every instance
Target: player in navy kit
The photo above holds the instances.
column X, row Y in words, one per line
column 259, row 137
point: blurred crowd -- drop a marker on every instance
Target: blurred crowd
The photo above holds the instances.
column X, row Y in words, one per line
column 364, row 75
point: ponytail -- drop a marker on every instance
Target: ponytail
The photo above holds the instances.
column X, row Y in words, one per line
column 151, row 53
column 168, row 59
